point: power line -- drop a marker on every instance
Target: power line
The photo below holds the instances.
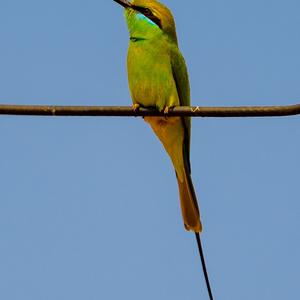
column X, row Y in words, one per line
column 127, row 111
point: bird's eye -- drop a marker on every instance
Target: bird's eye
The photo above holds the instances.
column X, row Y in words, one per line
column 147, row 11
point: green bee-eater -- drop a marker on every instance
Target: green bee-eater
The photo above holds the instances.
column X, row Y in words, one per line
column 158, row 77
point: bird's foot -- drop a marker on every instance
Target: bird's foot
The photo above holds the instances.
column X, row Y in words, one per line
column 136, row 107
column 166, row 110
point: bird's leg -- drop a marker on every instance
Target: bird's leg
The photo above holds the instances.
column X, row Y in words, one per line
column 136, row 107
column 167, row 110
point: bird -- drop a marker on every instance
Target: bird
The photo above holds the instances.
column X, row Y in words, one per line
column 158, row 78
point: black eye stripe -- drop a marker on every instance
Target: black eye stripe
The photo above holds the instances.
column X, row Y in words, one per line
column 148, row 13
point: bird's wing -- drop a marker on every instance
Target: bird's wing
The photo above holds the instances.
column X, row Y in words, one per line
column 181, row 79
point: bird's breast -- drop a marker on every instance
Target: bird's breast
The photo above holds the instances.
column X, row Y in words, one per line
column 150, row 75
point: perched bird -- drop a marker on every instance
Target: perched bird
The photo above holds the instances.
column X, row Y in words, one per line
column 158, row 77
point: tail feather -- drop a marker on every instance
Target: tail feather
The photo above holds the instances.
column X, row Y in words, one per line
column 173, row 136
column 189, row 205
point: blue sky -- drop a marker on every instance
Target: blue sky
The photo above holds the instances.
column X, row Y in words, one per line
column 89, row 207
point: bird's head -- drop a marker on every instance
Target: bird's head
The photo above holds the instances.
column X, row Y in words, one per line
column 148, row 18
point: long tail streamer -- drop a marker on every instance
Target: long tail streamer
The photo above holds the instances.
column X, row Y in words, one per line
column 204, row 265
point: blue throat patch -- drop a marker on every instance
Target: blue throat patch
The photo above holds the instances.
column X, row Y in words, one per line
column 140, row 16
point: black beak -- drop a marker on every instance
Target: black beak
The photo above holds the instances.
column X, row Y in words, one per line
column 124, row 3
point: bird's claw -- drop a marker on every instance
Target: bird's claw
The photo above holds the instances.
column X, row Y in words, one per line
column 166, row 110
column 136, row 107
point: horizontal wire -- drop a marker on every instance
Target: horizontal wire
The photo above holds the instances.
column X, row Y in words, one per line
column 127, row 111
